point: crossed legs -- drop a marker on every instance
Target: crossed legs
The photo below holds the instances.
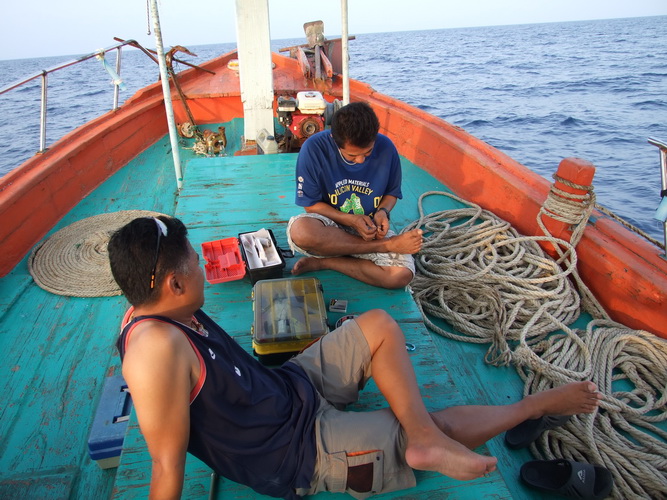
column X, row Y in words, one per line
column 333, row 247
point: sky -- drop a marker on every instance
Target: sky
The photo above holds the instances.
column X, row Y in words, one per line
column 75, row 27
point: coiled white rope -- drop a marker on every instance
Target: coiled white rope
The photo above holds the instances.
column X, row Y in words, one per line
column 479, row 274
column 74, row 260
column 498, row 287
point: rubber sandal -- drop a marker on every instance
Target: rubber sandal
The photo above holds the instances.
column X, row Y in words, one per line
column 568, row 478
column 529, row 430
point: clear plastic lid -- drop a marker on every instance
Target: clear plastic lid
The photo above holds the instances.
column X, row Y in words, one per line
column 288, row 310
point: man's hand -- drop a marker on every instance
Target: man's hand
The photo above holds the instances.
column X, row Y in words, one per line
column 382, row 224
column 365, row 227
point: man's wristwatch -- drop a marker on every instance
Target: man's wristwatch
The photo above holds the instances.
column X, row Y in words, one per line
column 385, row 211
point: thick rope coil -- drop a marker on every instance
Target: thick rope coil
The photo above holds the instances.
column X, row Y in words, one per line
column 575, row 210
column 559, row 213
column 498, row 287
column 478, row 273
column 622, row 435
column 74, row 261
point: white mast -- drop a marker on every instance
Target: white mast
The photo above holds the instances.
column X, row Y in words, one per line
column 255, row 66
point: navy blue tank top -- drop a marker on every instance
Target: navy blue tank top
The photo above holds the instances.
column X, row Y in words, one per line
column 249, row 423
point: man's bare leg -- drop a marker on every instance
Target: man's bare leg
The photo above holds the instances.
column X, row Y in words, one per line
column 475, row 425
column 428, row 448
column 359, row 269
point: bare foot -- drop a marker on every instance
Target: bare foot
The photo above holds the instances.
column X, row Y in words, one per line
column 568, row 399
column 442, row 454
column 306, row 264
column 407, row 243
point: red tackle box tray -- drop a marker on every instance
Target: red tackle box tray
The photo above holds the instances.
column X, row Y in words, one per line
column 223, row 260
column 228, row 259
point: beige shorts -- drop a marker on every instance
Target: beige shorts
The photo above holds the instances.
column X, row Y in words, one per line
column 366, row 448
column 380, row 259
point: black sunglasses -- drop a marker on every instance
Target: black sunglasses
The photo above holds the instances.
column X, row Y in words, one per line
column 161, row 231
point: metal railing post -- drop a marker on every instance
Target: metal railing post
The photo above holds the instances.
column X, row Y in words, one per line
column 43, row 75
column 663, row 175
column 116, row 88
column 42, row 117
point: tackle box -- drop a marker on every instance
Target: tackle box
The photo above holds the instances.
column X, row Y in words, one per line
column 289, row 314
column 254, row 254
column 110, row 424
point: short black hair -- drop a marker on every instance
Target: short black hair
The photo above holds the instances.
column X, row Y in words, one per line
column 355, row 124
column 132, row 250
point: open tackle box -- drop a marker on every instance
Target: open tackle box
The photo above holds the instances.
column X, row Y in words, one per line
column 289, row 314
column 254, row 254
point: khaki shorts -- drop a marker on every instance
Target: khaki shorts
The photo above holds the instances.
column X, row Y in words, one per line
column 362, row 448
column 380, row 259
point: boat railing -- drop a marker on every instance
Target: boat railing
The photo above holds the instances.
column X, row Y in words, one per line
column 661, row 213
column 100, row 54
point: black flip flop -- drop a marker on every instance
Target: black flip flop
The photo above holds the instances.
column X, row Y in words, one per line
column 529, row 430
column 566, row 477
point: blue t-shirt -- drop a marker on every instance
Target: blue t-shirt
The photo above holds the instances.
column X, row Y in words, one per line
column 323, row 176
column 249, row 423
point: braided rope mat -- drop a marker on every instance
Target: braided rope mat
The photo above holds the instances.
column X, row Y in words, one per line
column 498, row 287
column 74, row 260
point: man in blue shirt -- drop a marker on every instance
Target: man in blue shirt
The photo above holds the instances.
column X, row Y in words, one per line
column 348, row 179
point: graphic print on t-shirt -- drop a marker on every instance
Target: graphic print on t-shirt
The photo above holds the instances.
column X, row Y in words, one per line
column 349, row 196
column 352, row 204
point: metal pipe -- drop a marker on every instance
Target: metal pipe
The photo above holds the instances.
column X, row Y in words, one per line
column 42, row 116
column 116, row 88
column 663, row 174
column 67, row 64
column 149, row 53
column 344, row 55
column 166, row 91
column 663, row 160
column 43, row 75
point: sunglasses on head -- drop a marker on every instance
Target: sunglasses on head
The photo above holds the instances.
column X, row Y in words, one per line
column 161, row 231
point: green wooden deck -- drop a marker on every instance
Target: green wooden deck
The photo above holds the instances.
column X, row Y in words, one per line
column 215, row 204
column 57, row 350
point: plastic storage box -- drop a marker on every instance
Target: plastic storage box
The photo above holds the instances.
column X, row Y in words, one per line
column 289, row 314
column 254, row 254
column 108, row 432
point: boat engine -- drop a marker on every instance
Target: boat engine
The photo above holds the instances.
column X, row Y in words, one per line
column 303, row 116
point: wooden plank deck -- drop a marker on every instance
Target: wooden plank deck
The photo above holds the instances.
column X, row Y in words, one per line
column 57, row 352
column 221, row 198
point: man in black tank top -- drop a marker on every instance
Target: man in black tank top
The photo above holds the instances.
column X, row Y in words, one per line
column 280, row 430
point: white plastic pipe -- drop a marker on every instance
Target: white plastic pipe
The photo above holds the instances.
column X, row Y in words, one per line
column 166, row 92
column 344, row 55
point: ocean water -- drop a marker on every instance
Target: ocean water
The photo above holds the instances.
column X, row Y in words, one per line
column 596, row 90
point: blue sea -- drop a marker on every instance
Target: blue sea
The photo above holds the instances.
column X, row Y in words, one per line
column 538, row 92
